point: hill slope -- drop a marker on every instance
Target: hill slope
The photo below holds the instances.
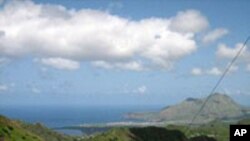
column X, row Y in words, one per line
column 12, row 130
column 146, row 134
column 140, row 134
column 218, row 107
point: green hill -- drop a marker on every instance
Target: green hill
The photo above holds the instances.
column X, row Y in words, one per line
column 148, row 134
column 215, row 129
column 12, row 130
column 140, row 134
column 219, row 106
column 244, row 121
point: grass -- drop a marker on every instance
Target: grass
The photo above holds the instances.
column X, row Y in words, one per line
column 13, row 130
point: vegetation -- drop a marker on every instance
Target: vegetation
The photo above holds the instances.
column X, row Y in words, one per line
column 140, row 134
column 19, row 131
column 218, row 106
column 12, row 130
column 216, row 129
column 244, row 122
column 46, row 133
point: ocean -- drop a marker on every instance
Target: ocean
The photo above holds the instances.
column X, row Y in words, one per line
column 60, row 116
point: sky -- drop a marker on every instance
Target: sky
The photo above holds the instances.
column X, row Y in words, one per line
column 95, row 52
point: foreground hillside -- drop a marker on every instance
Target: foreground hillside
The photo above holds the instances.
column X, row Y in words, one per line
column 146, row 134
column 213, row 131
column 219, row 106
column 140, row 134
column 12, row 130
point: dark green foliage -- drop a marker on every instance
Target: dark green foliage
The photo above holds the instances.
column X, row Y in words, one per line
column 244, row 122
column 23, row 137
column 156, row 134
column 202, row 138
column 10, row 128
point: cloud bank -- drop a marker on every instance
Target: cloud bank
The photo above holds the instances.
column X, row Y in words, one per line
column 226, row 52
column 63, row 38
column 214, row 35
column 216, row 71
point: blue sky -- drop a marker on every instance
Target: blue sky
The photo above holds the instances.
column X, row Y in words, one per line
column 83, row 52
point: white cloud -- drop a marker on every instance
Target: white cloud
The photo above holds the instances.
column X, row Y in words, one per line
column 214, row 71
column 60, row 63
column 141, row 90
column 196, row 71
column 133, row 66
column 233, row 69
column 85, row 35
column 189, row 21
column 3, row 87
column 229, row 52
column 225, row 52
column 214, row 35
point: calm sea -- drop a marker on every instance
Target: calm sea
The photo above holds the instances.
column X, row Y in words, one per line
column 59, row 116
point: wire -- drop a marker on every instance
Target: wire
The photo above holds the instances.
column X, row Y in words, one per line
column 217, row 84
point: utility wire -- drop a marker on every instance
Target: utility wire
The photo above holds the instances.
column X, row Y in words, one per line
column 217, row 84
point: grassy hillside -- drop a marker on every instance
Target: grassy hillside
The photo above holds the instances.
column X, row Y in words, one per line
column 140, row 134
column 19, row 131
column 218, row 106
column 12, row 131
column 215, row 129
column 46, row 133
column 244, row 122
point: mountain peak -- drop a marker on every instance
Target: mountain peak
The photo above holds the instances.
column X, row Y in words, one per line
column 218, row 106
column 220, row 95
column 190, row 99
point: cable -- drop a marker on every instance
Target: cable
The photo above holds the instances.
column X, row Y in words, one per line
column 217, row 84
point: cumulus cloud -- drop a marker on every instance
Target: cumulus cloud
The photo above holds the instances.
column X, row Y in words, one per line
column 3, row 87
column 225, row 52
column 60, row 63
column 85, row 35
column 214, row 35
column 141, row 90
column 189, row 21
column 212, row 71
column 233, row 69
column 229, row 53
column 133, row 66
column 196, row 71
column 215, row 71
